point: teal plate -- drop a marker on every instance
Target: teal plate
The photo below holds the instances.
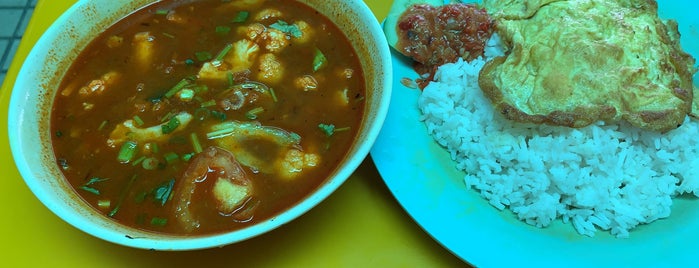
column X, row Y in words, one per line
column 425, row 182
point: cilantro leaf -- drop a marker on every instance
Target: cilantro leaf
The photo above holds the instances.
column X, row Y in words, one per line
column 287, row 28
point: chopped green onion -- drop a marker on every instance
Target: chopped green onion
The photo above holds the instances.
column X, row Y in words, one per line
column 171, row 157
column 195, row 143
column 231, row 80
column 102, row 125
column 223, row 30
column 219, row 133
column 161, row 12
column 328, row 129
column 59, row 134
column 154, row 147
column 122, row 196
column 179, row 139
column 203, row 55
column 138, row 161
column 95, row 180
column 186, row 94
column 273, row 94
column 163, row 191
column 319, row 60
column 219, row 57
column 218, row 115
column 171, row 125
column 189, row 62
column 252, row 114
column 158, row 221
column 141, row 219
column 150, row 163
column 242, row 16
column 208, row 103
column 200, row 88
column 88, row 185
column 127, row 152
column 104, row 204
column 140, row 197
column 202, row 113
column 180, row 85
column 186, row 157
column 90, row 190
column 167, row 117
column 137, row 119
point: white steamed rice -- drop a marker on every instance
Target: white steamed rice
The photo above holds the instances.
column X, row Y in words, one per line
column 608, row 177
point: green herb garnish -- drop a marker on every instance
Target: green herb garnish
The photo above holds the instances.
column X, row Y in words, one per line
column 242, row 16
column 162, row 193
column 171, row 125
column 179, row 86
column 328, row 129
column 171, row 157
column 203, row 55
column 287, row 28
column 88, row 185
column 127, row 152
column 122, row 196
column 195, row 143
column 319, row 60
column 218, row 115
column 252, row 114
column 223, row 30
column 137, row 119
column 158, row 221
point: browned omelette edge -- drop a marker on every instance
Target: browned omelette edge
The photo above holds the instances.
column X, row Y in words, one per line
column 663, row 120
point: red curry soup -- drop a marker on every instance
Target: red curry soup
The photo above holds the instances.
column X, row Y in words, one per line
column 200, row 117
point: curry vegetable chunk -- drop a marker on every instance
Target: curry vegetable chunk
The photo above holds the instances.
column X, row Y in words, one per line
column 200, row 117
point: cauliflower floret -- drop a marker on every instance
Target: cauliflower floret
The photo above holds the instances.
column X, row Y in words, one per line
column 143, row 44
column 307, row 32
column 241, row 58
column 114, row 41
column 243, row 55
column 96, row 86
column 342, row 97
column 252, row 31
column 209, row 71
column 268, row 13
column 175, row 17
column 274, row 40
column 295, row 161
column 306, row 83
column 128, row 131
column 271, row 69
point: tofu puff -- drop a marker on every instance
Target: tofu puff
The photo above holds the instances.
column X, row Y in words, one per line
column 575, row 62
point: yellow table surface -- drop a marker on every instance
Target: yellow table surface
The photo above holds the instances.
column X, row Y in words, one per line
column 361, row 225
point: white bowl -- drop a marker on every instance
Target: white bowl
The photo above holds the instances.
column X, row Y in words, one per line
column 36, row 86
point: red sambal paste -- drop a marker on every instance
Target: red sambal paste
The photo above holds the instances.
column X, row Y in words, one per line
column 433, row 36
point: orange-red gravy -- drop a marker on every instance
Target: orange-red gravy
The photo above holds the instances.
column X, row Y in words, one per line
column 130, row 70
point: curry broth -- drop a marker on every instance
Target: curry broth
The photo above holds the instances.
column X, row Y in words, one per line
column 114, row 81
